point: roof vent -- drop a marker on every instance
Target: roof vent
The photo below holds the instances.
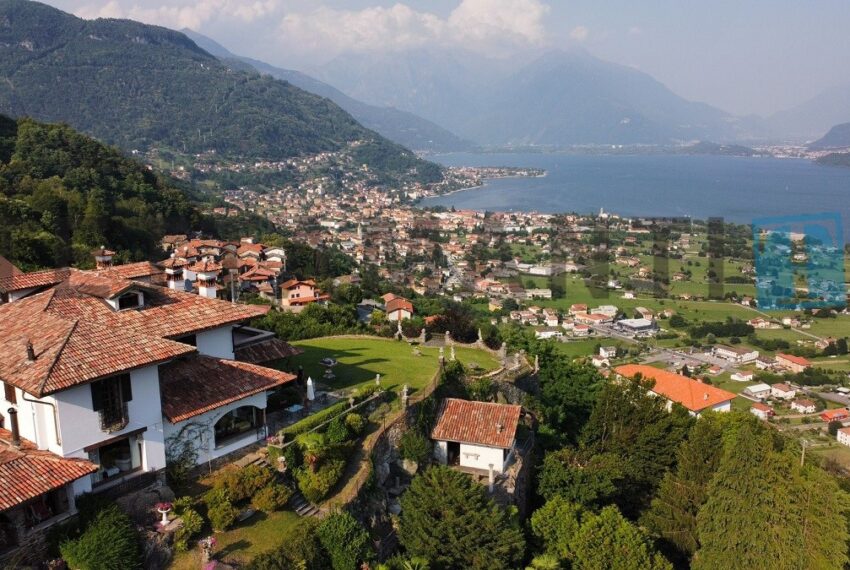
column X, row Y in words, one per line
column 30, row 352
column 705, row 396
column 499, row 427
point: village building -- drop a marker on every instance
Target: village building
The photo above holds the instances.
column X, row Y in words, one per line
column 397, row 308
column 836, row 415
column 762, row 411
column 736, row 354
column 296, row 294
column 792, row 363
column 695, row 396
column 803, row 406
column 783, row 391
column 476, row 435
column 759, row 391
column 843, row 436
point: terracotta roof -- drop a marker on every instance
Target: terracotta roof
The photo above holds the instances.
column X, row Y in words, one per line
column 477, row 423
column 131, row 270
column 205, row 267
column 26, row 472
column 839, row 413
column 273, row 349
column 198, row 384
column 399, row 304
column 173, row 263
column 762, row 407
column 798, row 360
column 295, row 282
column 33, row 280
column 69, row 351
column 7, row 268
column 784, row 387
column 694, row 395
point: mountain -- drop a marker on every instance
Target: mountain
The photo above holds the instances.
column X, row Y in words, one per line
column 814, row 117
column 139, row 86
column 837, row 137
column 556, row 98
column 405, row 128
column 62, row 194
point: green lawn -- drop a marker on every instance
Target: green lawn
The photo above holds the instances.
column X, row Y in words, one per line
column 836, row 452
column 361, row 359
column 246, row 540
column 584, row 347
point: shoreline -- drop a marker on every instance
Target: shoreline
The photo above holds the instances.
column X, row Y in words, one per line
column 482, row 185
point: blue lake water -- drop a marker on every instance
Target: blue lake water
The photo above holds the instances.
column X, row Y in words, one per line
column 736, row 189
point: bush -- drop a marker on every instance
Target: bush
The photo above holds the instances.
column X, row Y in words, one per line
column 299, row 548
column 315, row 486
column 180, row 505
column 294, row 457
column 241, row 484
column 320, row 417
column 192, row 525
column 220, row 510
column 415, row 447
column 271, row 498
column 336, row 432
column 355, row 423
column 345, row 540
column 109, row 542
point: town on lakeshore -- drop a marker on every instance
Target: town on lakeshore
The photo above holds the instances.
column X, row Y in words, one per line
column 427, row 304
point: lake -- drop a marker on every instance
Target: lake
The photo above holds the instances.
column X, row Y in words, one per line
column 734, row 188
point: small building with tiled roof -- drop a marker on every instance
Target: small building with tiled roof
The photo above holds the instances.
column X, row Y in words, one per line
column 791, row 362
column 695, row 396
column 295, row 294
column 475, row 435
column 397, row 308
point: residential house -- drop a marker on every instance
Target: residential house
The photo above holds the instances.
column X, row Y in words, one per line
column 836, row 415
column 608, row 351
column 743, row 376
column 580, row 330
column 803, row 406
column 109, row 373
column 783, row 391
column 695, row 396
column 548, row 332
column 398, row 308
column 476, row 435
column 792, row 363
column 296, row 294
column 759, row 391
column 843, row 436
column 762, row 411
column 600, row 361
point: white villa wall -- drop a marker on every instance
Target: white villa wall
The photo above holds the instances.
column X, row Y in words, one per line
column 203, row 438
column 17, row 295
column 216, row 342
column 80, row 424
column 480, row 457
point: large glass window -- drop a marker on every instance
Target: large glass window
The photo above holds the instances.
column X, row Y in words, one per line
column 237, row 423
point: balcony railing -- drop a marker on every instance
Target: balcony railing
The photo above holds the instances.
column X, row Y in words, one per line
column 114, row 418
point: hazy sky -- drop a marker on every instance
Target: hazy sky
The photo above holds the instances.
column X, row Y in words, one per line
column 744, row 56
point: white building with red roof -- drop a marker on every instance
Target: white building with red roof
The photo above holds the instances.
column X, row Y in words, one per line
column 697, row 397
column 113, row 372
column 475, row 435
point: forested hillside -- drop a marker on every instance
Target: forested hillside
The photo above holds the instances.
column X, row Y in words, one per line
column 63, row 194
column 139, row 86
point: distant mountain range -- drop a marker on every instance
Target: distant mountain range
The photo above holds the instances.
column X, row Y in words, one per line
column 139, row 86
column 402, row 127
column 837, row 137
column 811, row 119
column 558, row 98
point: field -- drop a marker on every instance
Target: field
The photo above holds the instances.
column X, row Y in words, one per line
column 360, row 359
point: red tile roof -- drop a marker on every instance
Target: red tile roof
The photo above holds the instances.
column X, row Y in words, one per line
column 33, row 280
column 131, row 270
column 837, row 414
column 694, row 395
column 798, row 360
column 198, row 384
column 205, row 267
column 69, row 351
column 26, row 472
column 477, row 423
column 399, row 304
column 273, row 349
column 7, row 268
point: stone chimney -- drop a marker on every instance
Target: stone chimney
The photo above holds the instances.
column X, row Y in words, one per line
column 103, row 257
column 207, row 275
column 13, row 423
column 174, row 273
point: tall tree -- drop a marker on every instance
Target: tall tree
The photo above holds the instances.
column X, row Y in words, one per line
column 555, row 524
column 672, row 516
column 589, row 479
column 449, row 520
column 608, row 540
column 569, row 390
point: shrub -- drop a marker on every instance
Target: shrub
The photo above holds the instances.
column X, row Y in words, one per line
column 241, row 484
column 299, row 548
column 315, row 486
column 415, row 447
column 336, row 432
column 180, row 505
column 222, row 515
column 345, row 540
column 192, row 525
column 355, row 423
column 271, row 498
column 294, row 457
column 320, row 417
column 110, row 541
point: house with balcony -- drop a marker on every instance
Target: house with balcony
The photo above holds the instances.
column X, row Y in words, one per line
column 296, row 294
column 107, row 374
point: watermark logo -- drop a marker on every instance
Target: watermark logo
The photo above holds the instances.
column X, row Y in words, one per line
column 799, row 262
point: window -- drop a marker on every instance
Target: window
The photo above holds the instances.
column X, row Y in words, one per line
column 109, row 399
column 131, row 300
column 236, row 423
column 9, row 393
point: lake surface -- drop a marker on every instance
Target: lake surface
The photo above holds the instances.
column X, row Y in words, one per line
column 736, row 189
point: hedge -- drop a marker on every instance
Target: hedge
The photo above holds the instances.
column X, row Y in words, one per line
column 315, row 420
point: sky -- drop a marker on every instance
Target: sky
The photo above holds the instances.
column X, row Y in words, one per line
column 744, row 56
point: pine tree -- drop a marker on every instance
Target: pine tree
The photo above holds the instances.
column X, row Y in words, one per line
column 449, row 520
column 749, row 519
column 608, row 540
column 672, row 516
column 823, row 507
column 555, row 524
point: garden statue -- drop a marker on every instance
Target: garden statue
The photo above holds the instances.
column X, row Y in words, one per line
column 404, row 396
column 423, row 336
column 378, row 380
column 503, row 351
column 448, row 338
column 452, row 357
column 480, row 337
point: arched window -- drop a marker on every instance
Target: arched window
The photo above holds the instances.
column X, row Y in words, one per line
column 236, row 423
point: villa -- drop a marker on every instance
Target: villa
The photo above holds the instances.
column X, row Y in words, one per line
column 695, row 396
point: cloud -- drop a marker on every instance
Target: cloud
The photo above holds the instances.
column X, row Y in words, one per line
column 182, row 14
column 579, row 33
column 477, row 24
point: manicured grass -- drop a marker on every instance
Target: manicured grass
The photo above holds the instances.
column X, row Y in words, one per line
column 359, row 360
column 246, row 540
column 841, row 363
column 583, row 347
